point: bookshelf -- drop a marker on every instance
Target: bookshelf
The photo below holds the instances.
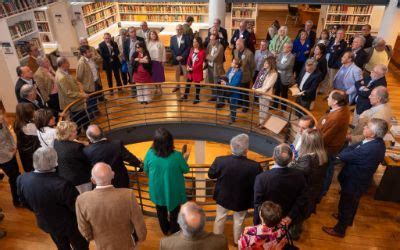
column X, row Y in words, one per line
column 9, row 8
column 44, row 27
column 243, row 12
column 99, row 16
column 350, row 17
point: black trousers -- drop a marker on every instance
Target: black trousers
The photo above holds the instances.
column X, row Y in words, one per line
column 168, row 225
column 124, row 77
column 109, row 72
column 53, row 102
column 10, row 168
column 73, row 240
column 297, row 67
column 282, row 91
column 304, row 103
column 187, row 90
column 348, row 205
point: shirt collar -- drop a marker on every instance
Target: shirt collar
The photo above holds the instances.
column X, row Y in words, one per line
column 45, row 172
column 367, row 140
column 276, row 166
column 30, row 81
column 104, row 187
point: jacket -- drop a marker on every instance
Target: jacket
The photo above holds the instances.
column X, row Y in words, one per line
column 235, row 176
column 114, row 154
column 361, row 57
column 276, row 44
column 245, row 36
column 322, row 67
column 110, row 216
column 363, row 89
column 51, row 198
column 32, row 64
column 335, row 52
column 44, row 83
column 203, row 240
column 352, row 74
column 73, row 165
column 361, row 161
column 21, row 83
column 286, row 187
column 248, row 64
column 235, row 82
column 181, row 49
column 217, row 59
column 333, row 127
column 68, row 90
column 310, row 86
column 285, row 68
column 146, row 66
column 196, row 74
column 84, row 75
column 223, row 37
column 110, row 60
column 127, row 47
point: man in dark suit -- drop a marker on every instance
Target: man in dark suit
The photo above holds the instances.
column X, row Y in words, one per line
column 28, row 95
column 235, row 175
column 130, row 48
column 365, row 87
column 109, row 52
column 52, row 199
column 335, row 50
column 25, row 75
column 180, row 47
column 308, row 81
column 361, row 161
column 113, row 153
column 284, row 186
column 360, row 55
column 241, row 33
column 220, row 31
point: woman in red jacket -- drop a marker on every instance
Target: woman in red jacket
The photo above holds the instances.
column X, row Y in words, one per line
column 194, row 68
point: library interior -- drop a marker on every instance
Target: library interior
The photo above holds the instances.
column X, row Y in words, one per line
column 199, row 124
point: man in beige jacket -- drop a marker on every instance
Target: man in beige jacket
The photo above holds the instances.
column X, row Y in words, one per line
column 380, row 109
column 110, row 216
column 215, row 61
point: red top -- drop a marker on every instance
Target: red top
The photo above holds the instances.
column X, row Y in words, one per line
column 196, row 60
column 141, row 75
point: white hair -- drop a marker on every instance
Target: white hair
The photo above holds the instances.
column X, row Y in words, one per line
column 25, row 90
column 45, row 159
column 240, row 144
column 379, row 127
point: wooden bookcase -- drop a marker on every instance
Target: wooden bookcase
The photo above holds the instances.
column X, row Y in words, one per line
column 350, row 17
column 243, row 12
column 99, row 16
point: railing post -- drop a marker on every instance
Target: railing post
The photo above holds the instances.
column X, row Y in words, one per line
column 139, row 190
column 287, row 135
column 108, row 118
column 252, row 110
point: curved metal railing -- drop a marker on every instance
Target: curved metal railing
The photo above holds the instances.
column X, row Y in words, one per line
column 121, row 108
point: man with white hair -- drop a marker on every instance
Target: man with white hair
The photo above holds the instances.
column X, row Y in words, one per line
column 379, row 53
column 109, row 215
column 357, row 47
column 192, row 220
column 311, row 35
column 240, row 33
column 44, row 77
column 308, row 81
column 379, row 99
column 361, row 161
column 28, row 95
column 111, row 152
column 235, row 175
column 52, row 199
column 144, row 31
column 364, row 88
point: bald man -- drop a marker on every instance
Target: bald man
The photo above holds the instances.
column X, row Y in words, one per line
column 192, row 235
column 110, row 216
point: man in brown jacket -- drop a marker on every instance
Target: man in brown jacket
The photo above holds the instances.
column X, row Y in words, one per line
column 333, row 127
column 215, row 61
column 44, row 77
column 110, row 216
column 246, row 57
column 192, row 219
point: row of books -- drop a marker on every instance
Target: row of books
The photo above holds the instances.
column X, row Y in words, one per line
column 163, row 9
column 347, row 28
column 21, row 47
column 245, row 5
column 101, row 25
column 8, row 8
column 40, row 16
column 20, row 29
column 244, row 14
column 95, row 7
column 160, row 18
column 348, row 19
column 99, row 15
column 350, row 9
column 43, row 27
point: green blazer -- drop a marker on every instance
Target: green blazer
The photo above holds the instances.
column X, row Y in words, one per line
column 166, row 180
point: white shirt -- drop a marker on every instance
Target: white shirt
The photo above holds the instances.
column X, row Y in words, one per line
column 30, row 129
column 93, row 68
column 179, row 40
column 212, row 53
column 304, row 79
column 103, row 187
column 156, row 51
column 47, row 137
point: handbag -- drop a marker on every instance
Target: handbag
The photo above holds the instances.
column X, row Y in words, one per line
column 289, row 245
column 124, row 67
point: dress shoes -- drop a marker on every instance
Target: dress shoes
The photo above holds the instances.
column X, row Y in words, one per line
column 219, row 105
column 196, row 101
column 175, row 90
column 331, row 231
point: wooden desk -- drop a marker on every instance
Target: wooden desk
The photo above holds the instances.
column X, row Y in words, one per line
column 389, row 187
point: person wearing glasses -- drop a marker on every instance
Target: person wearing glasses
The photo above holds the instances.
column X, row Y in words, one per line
column 142, row 70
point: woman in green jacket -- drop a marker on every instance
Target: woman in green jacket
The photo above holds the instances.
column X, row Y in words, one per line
column 165, row 168
column 277, row 42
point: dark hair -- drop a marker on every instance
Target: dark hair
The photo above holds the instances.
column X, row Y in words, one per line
column 271, row 213
column 351, row 55
column 341, row 97
column 189, row 19
column 301, row 31
column 238, row 62
column 142, row 45
column 163, row 143
column 83, row 49
column 309, row 119
column 322, row 48
column 19, row 71
column 283, row 155
column 272, row 64
column 324, row 31
column 199, row 41
column 41, row 118
column 23, row 115
column 367, row 25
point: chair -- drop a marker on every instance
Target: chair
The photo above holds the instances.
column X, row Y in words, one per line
column 293, row 13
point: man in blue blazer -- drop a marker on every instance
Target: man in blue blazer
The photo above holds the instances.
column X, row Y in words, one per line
column 361, row 161
column 365, row 87
column 180, row 47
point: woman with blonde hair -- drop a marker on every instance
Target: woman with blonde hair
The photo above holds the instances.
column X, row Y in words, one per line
column 277, row 42
column 72, row 162
column 312, row 159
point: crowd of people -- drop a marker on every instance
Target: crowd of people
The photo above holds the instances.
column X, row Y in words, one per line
column 78, row 189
